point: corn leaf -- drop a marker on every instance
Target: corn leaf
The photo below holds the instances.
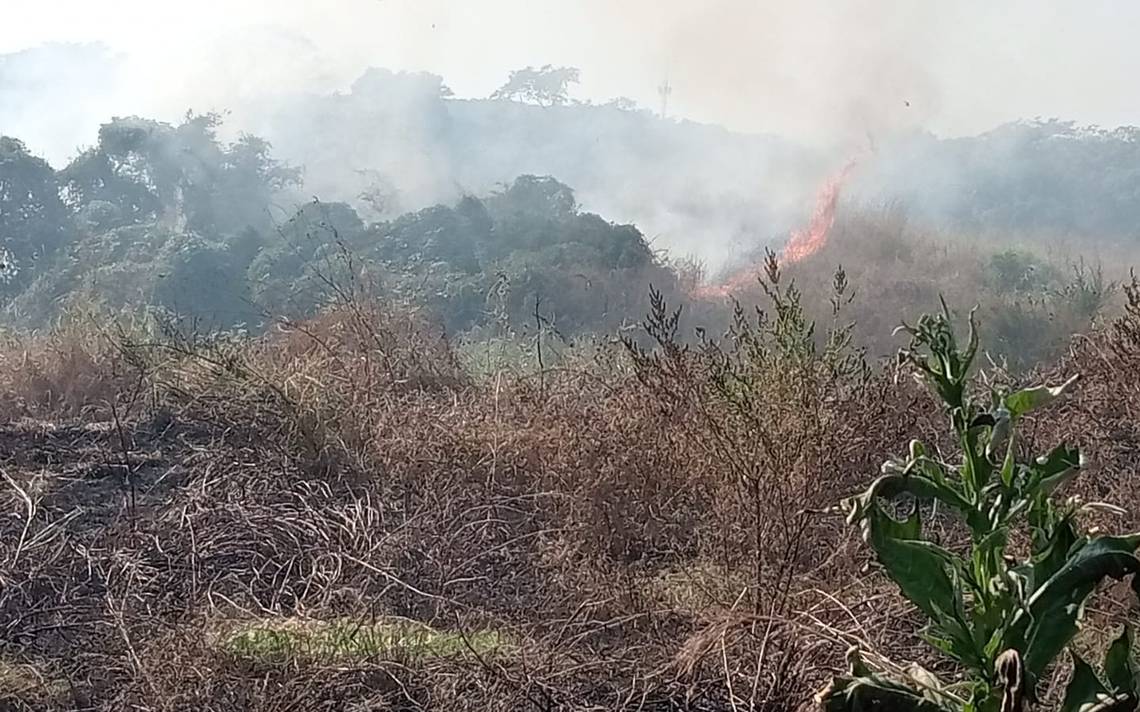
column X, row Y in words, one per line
column 1054, row 554
column 1054, row 469
column 1048, row 623
column 874, row 693
column 1086, row 693
column 1030, row 399
column 1118, row 664
column 926, row 574
column 892, row 485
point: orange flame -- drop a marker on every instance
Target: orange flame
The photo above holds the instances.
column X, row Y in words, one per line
column 805, row 243
column 801, row 244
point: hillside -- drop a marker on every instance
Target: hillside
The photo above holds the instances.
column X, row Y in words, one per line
column 397, row 142
column 697, row 189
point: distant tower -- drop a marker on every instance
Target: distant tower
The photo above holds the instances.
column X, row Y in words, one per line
column 665, row 91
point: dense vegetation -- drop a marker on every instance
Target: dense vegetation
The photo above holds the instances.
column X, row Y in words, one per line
column 169, row 216
column 172, row 217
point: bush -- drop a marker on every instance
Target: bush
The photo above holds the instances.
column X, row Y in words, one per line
column 1004, row 618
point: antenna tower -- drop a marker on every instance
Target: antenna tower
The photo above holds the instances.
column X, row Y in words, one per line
column 665, row 91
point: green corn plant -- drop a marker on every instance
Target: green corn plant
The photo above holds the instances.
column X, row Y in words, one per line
column 1004, row 620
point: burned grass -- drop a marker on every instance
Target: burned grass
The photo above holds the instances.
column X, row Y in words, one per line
column 336, row 516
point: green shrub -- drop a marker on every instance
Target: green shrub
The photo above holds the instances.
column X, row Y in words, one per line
column 1005, row 620
column 1013, row 270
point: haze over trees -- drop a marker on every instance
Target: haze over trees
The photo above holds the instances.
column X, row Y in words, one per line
column 546, row 86
column 481, row 208
column 465, row 206
column 169, row 215
column 700, row 189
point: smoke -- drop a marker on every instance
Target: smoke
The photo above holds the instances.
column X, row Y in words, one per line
column 825, row 75
column 53, row 97
column 818, row 71
column 823, row 71
column 827, row 70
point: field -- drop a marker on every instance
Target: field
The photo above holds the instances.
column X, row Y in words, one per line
column 351, row 511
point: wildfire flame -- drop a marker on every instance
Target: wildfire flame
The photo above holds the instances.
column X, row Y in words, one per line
column 805, row 243
column 801, row 244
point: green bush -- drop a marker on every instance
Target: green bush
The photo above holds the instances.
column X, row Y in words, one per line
column 1005, row 620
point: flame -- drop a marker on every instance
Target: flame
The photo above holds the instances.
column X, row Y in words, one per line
column 802, row 243
column 738, row 281
column 805, row 243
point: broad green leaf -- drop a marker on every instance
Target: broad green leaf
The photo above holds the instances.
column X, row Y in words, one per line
column 1054, row 554
column 1029, row 399
column 1055, row 469
column 921, row 568
column 1118, row 665
column 1050, row 621
column 1086, row 693
column 924, row 572
column 891, row 485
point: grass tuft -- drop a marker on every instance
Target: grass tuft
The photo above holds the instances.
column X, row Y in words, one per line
column 342, row 640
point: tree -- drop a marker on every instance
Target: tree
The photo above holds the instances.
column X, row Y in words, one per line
column 146, row 170
column 243, row 187
column 547, row 86
column 33, row 220
column 287, row 276
column 541, row 196
column 435, row 235
column 623, row 103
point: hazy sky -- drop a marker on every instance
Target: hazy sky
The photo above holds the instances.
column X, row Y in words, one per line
column 811, row 69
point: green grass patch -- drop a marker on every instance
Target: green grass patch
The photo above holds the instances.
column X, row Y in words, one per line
column 340, row 640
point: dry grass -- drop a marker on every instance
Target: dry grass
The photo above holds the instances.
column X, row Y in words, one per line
column 291, row 639
column 1034, row 296
column 240, row 521
column 25, row 684
column 73, row 369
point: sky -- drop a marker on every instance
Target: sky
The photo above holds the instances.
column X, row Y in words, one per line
column 810, row 70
